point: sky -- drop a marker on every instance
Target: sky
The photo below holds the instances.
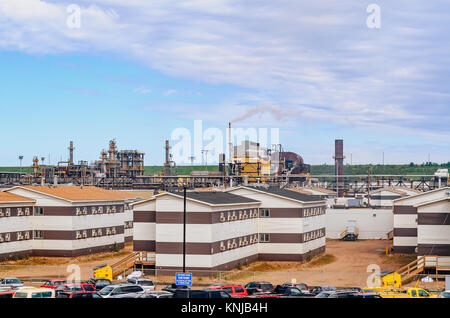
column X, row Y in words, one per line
column 138, row 71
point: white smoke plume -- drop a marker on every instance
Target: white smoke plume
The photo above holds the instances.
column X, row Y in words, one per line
column 278, row 112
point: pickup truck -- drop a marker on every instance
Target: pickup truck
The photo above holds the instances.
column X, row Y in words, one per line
column 412, row 292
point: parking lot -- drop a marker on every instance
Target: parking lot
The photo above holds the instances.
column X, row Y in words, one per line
column 344, row 265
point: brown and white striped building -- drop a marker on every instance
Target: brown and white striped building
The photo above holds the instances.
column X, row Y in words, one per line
column 16, row 228
column 291, row 225
column 69, row 221
column 421, row 223
column 225, row 229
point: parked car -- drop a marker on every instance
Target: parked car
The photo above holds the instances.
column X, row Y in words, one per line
column 318, row 289
column 11, row 282
column 149, row 294
column 444, row 294
column 262, row 295
column 6, row 293
column 302, row 286
column 99, row 283
column 35, row 293
column 259, row 287
column 145, row 283
column 81, row 287
column 355, row 289
column 156, row 294
column 232, row 290
column 345, row 294
column 53, row 283
column 324, row 294
column 120, row 289
column 200, row 293
column 173, row 287
column 78, row 294
column 290, row 292
column 363, row 295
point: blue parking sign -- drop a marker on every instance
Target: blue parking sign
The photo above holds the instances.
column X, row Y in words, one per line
column 184, row 279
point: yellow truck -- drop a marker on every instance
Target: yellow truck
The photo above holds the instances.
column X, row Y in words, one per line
column 413, row 292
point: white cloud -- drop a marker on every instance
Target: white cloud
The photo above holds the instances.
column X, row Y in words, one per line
column 292, row 54
column 142, row 90
column 170, row 92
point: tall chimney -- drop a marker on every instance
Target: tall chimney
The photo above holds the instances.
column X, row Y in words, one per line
column 71, row 148
column 230, row 144
column 167, row 152
column 339, row 166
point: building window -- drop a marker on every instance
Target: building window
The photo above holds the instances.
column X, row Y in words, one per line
column 38, row 234
column 264, row 213
column 264, row 238
column 38, row 211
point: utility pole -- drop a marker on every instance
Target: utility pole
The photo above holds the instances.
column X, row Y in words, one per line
column 205, row 151
column 368, row 186
column 184, row 229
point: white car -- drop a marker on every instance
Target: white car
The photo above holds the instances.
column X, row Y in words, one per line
column 118, row 290
column 11, row 282
column 444, row 294
column 146, row 283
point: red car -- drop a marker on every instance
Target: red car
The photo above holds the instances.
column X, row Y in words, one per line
column 7, row 294
column 261, row 296
column 53, row 283
column 232, row 290
column 75, row 288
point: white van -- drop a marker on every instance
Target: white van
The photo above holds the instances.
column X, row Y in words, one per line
column 35, row 293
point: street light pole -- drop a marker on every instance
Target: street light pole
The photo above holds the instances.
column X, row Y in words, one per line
column 184, row 229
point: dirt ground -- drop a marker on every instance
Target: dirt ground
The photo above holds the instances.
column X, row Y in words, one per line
column 343, row 264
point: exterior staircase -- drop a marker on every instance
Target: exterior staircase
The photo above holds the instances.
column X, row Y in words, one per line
column 390, row 235
column 428, row 262
column 349, row 236
column 130, row 262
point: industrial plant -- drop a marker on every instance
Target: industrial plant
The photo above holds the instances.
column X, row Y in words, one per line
column 248, row 163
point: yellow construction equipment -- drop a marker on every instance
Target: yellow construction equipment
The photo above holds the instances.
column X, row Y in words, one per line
column 103, row 271
column 390, row 279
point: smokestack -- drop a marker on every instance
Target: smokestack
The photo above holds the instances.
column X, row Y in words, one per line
column 339, row 166
column 230, row 144
column 167, row 152
column 71, row 148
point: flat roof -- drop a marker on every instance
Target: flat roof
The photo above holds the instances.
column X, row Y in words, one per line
column 288, row 194
column 216, row 197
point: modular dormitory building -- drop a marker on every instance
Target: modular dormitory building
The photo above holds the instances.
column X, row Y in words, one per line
column 422, row 223
column 225, row 229
column 61, row 221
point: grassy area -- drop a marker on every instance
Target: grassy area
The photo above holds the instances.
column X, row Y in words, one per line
column 322, row 260
column 428, row 169
column 402, row 259
column 412, row 168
